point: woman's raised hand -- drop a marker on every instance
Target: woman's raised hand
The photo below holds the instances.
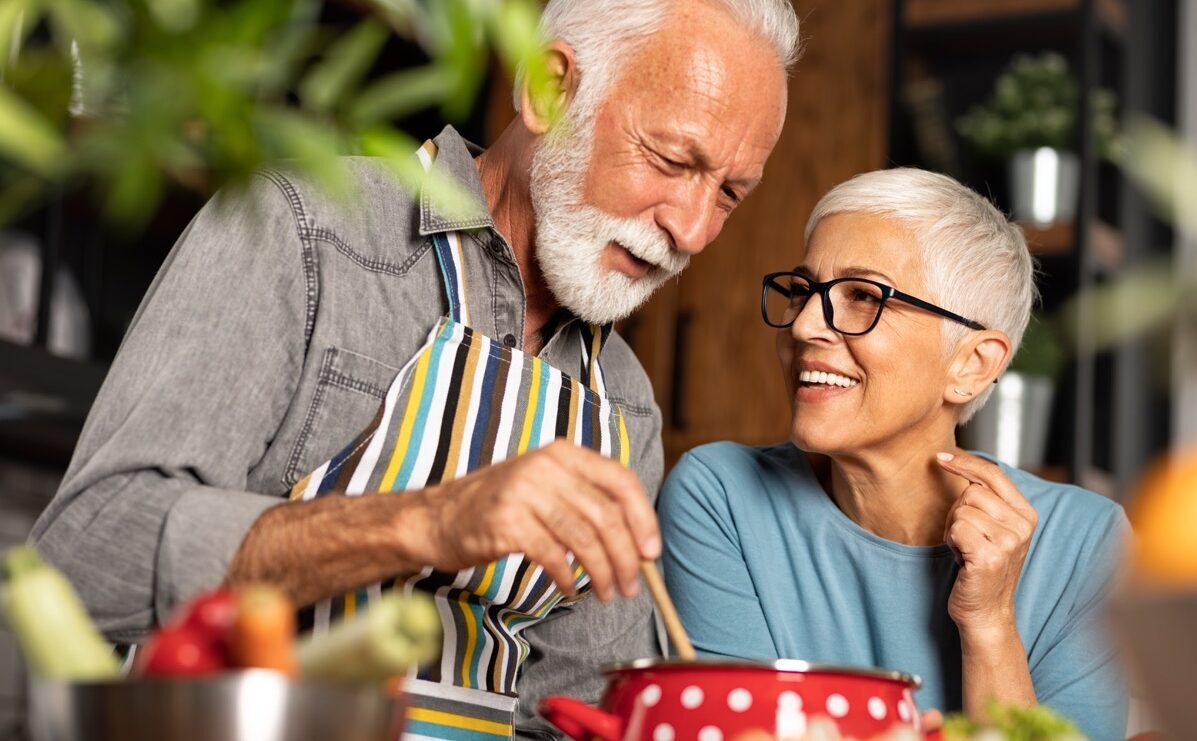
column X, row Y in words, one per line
column 989, row 528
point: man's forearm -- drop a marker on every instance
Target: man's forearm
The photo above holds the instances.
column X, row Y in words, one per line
column 334, row 544
column 995, row 670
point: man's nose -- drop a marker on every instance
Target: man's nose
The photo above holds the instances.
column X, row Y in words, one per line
column 690, row 218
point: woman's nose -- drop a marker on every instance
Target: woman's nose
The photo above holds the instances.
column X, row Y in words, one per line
column 811, row 321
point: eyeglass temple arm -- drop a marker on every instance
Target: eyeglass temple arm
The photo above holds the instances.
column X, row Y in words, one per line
column 933, row 308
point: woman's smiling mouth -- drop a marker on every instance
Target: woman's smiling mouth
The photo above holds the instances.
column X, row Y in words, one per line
column 822, row 378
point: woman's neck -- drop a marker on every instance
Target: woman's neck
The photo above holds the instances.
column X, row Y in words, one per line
column 904, row 498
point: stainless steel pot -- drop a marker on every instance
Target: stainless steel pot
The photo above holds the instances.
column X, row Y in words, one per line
column 254, row 705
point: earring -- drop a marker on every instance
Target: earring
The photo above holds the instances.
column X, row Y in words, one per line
column 962, row 393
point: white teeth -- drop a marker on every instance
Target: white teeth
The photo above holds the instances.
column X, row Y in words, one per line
column 832, row 379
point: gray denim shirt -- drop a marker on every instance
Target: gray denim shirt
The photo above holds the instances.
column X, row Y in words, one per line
column 264, row 345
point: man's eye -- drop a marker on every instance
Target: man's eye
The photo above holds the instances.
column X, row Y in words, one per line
column 731, row 195
column 671, row 163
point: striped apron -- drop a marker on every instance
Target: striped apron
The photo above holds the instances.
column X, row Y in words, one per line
column 463, row 402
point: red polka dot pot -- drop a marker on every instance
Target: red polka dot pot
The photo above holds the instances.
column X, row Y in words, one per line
column 661, row 700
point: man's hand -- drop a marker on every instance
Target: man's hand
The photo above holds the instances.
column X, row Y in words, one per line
column 989, row 528
column 550, row 502
column 553, row 501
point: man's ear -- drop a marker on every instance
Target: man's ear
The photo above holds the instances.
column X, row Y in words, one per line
column 549, row 84
column 977, row 362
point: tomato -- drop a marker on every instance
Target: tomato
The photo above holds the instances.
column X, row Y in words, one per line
column 212, row 615
column 179, row 651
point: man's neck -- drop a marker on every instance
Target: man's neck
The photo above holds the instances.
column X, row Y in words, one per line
column 504, row 169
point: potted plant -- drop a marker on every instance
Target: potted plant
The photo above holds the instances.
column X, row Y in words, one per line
column 1013, row 425
column 1030, row 122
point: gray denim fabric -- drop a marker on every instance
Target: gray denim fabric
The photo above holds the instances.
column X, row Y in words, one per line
column 265, row 344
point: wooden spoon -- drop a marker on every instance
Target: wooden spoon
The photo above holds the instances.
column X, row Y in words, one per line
column 673, row 625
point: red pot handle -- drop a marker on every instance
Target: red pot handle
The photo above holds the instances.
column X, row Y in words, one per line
column 579, row 720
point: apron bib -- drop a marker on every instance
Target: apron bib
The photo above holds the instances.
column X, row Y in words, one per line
column 463, row 402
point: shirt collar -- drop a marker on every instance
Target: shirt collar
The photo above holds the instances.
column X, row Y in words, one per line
column 455, row 160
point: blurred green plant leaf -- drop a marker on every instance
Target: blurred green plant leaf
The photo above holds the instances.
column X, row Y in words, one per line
column 92, row 25
column 347, row 60
column 1143, row 299
column 307, row 144
column 398, row 152
column 175, row 16
column 27, row 139
column 401, row 93
column 17, row 19
column 136, row 94
column 1160, row 163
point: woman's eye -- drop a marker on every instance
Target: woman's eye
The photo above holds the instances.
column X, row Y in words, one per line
column 860, row 294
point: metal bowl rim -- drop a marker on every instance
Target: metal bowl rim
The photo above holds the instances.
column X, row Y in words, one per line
column 792, row 666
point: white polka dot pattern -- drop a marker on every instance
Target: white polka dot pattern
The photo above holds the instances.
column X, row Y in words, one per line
column 837, row 706
column 739, row 700
column 691, row 697
column 651, row 695
column 663, row 732
column 903, row 710
column 877, row 708
column 710, row 733
column 789, row 700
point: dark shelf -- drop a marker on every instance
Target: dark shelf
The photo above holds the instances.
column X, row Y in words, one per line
column 990, row 18
column 44, row 400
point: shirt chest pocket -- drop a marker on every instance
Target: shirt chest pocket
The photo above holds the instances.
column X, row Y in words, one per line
column 349, row 392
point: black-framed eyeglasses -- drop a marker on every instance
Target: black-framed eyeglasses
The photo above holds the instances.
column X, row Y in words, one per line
column 851, row 306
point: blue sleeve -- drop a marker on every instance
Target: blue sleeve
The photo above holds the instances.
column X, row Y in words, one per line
column 704, row 567
column 1080, row 676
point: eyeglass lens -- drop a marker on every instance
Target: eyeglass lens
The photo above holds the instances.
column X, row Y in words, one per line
column 854, row 304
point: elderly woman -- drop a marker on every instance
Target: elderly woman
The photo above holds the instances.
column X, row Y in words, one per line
column 870, row 538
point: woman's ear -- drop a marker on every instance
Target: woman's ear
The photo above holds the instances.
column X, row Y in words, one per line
column 977, row 362
column 548, row 86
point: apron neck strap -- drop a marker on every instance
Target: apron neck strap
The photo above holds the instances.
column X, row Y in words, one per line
column 593, row 338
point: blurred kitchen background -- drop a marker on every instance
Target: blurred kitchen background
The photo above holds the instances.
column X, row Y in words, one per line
column 988, row 91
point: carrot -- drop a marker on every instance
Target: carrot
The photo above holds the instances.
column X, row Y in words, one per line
column 263, row 635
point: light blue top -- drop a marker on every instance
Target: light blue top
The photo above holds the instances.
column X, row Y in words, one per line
column 762, row 564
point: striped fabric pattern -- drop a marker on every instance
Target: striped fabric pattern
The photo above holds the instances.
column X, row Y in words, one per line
column 463, row 402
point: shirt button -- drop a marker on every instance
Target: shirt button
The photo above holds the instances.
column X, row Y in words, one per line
column 509, row 340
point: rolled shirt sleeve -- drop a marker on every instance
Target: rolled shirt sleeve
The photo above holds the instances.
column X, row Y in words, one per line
column 154, row 504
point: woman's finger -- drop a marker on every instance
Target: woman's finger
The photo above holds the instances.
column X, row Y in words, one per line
column 983, row 498
column 999, row 537
column 987, row 474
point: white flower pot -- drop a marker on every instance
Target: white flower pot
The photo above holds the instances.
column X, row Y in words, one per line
column 1013, row 424
column 1044, row 185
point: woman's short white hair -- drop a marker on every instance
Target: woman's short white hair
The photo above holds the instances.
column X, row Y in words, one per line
column 604, row 33
column 975, row 261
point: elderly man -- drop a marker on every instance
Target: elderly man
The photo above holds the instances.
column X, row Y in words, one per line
column 294, row 345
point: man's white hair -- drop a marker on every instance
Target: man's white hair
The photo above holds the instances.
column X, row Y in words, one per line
column 604, row 34
column 975, row 261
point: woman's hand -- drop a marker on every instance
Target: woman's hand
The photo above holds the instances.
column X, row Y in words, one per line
column 989, row 528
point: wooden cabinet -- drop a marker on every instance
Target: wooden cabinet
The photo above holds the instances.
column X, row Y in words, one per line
column 701, row 338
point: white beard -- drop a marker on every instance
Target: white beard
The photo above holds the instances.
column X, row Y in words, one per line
column 571, row 236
